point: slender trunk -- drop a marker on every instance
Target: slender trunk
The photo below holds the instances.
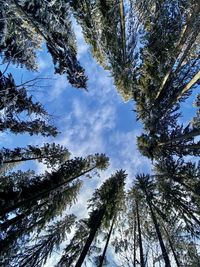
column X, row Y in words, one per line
column 185, row 53
column 182, row 137
column 23, row 159
column 107, row 242
column 193, row 81
column 134, row 244
column 183, row 37
column 140, row 237
column 162, row 246
column 170, row 73
column 172, row 247
column 90, row 238
column 41, row 194
column 122, row 27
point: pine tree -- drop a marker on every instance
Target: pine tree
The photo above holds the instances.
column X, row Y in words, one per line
column 37, row 254
column 44, row 185
column 52, row 22
column 28, row 220
column 18, row 40
column 104, row 205
column 51, row 154
column 14, row 102
column 179, row 141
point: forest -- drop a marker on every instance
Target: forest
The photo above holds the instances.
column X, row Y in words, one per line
column 150, row 49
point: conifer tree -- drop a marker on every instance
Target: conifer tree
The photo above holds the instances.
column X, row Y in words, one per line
column 14, row 102
column 36, row 254
column 52, row 22
column 104, row 204
column 51, row 154
column 44, row 185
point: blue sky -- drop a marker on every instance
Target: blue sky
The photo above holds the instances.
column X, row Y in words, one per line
column 97, row 121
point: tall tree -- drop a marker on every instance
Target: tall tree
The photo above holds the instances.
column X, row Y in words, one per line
column 51, row 154
column 15, row 103
column 144, row 183
column 37, row 254
column 42, row 186
column 52, row 22
column 29, row 220
column 105, row 203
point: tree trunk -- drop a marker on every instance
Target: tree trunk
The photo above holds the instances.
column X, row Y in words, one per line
column 162, row 246
column 172, row 247
column 122, row 27
column 140, row 237
column 41, row 194
column 183, row 37
column 90, row 238
column 23, row 159
column 134, row 244
column 106, row 245
column 193, row 81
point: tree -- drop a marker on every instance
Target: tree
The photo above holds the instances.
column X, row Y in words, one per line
column 37, row 254
column 18, row 40
column 73, row 249
column 32, row 219
column 105, row 203
column 42, row 186
column 144, row 183
column 51, row 154
column 105, row 29
column 52, row 22
column 179, row 141
column 14, row 102
column 102, row 257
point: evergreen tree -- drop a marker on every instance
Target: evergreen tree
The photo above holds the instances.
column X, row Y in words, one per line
column 51, row 154
column 15, row 103
column 179, row 141
column 42, row 186
column 111, row 37
column 18, row 40
column 105, row 203
column 73, row 249
column 51, row 20
column 37, row 254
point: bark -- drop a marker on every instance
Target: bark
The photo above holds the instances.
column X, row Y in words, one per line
column 172, row 247
column 134, row 243
column 142, row 264
column 162, row 245
column 122, row 27
column 188, row 86
column 90, row 238
column 107, row 242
